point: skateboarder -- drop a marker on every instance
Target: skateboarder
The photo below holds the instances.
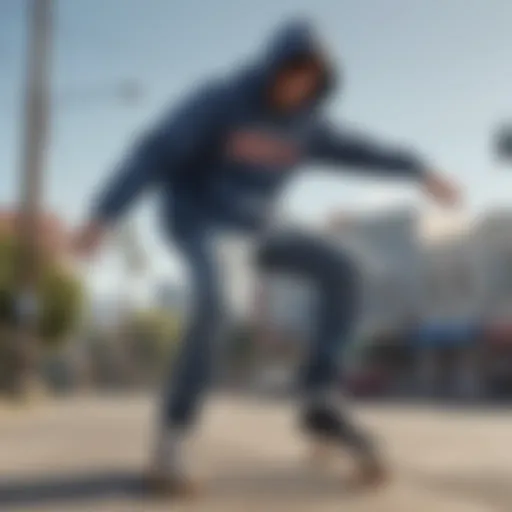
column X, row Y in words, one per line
column 218, row 162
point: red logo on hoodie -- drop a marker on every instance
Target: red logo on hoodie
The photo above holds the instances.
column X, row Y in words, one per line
column 259, row 148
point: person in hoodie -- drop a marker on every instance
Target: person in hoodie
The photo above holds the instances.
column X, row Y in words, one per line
column 218, row 162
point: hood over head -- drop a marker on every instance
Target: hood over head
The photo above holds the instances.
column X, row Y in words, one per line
column 294, row 40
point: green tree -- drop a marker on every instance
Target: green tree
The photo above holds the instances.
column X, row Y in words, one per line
column 60, row 296
column 60, row 293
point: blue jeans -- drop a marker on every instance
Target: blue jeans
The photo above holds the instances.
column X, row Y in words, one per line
column 292, row 252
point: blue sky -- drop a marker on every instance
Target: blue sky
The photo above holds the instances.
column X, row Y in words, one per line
column 436, row 74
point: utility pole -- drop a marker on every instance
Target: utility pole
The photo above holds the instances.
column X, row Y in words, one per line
column 33, row 148
column 32, row 160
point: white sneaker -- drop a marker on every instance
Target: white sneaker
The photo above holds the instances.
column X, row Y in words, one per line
column 167, row 473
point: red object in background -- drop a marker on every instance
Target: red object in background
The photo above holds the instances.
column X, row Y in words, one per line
column 369, row 382
column 499, row 334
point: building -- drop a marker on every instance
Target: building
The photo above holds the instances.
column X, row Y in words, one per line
column 466, row 332
column 493, row 246
column 448, row 336
column 451, row 282
column 492, row 238
column 387, row 246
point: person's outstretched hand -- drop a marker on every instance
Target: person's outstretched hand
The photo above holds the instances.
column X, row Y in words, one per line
column 87, row 240
column 442, row 190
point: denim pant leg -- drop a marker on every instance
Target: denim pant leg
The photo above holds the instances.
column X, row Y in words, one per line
column 335, row 277
column 192, row 369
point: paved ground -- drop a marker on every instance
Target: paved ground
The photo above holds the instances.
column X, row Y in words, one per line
column 86, row 455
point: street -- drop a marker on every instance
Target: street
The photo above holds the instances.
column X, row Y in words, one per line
column 87, row 454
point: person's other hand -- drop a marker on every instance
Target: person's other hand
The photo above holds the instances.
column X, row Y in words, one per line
column 442, row 190
column 87, row 240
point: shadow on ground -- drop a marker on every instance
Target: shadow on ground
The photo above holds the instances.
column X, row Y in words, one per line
column 69, row 487
column 60, row 489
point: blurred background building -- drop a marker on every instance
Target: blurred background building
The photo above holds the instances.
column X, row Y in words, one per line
column 435, row 309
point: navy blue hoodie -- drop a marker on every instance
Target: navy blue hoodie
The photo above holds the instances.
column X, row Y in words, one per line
column 199, row 160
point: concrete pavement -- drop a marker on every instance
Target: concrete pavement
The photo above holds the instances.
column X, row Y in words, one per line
column 86, row 454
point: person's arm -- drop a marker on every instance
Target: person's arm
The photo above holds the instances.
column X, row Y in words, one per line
column 133, row 175
column 332, row 146
column 182, row 135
